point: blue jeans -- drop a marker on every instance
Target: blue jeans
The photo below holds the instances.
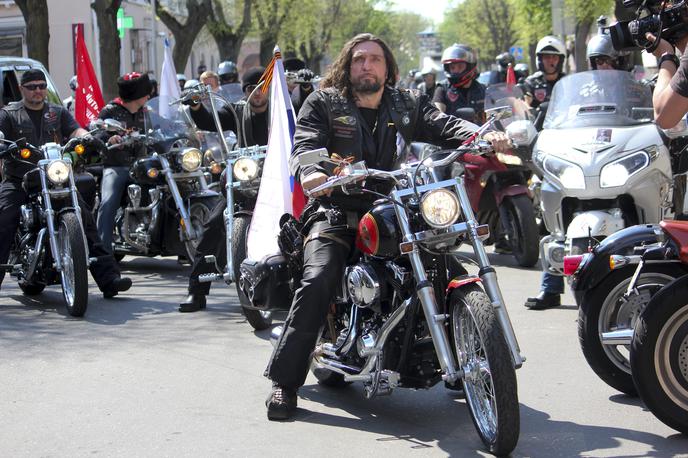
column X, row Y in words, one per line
column 112, row 186
column 553, row 284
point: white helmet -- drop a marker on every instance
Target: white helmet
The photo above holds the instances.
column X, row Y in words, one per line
column 550, row 45
column 190, row 84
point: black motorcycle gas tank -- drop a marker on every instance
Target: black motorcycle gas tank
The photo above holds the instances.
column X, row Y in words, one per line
column 378, row 232
column 141, row 171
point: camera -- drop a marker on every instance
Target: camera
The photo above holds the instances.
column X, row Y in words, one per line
column 663, row 19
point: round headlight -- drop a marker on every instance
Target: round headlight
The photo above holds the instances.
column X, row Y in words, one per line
column 440, row 208
column 191, row 159
column 245, row 169
column 58, row 172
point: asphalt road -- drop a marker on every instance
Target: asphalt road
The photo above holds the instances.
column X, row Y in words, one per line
column 137, row 378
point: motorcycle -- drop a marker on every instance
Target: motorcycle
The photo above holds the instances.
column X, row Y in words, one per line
column 169, row 219
column 49, row 247
column 605, row 165
column 407, row 313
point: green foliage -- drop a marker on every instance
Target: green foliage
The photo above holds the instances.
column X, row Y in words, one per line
column 589, row 10
column 533, row 20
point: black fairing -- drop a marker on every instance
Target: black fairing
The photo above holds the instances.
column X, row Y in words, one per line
column 139, row 171
column 388, row 230
column 622, row 242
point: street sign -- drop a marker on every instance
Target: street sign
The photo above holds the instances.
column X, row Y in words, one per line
column 123, row 22
column 517, row 52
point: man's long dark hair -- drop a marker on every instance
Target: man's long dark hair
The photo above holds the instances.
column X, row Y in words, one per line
column 339, row 75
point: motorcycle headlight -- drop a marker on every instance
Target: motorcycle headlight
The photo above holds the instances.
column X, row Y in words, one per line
column 618, row 172
column 245, row 169
column 58, row 172
column 191, row 159
column 509, row 159
column 440, row 208
column 570, row 175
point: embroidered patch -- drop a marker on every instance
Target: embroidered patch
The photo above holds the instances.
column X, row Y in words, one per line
column 540, row 94
column 346, row 120
column 452, row 96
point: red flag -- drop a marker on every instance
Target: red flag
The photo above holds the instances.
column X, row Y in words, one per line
column 88, row 98
column 510, row 77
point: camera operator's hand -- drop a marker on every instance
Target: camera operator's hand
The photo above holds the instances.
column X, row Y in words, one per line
column 663, row 47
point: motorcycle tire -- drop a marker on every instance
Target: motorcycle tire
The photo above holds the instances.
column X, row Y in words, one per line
column 523, row 231
column 258, row 320
column 483, row 354
column 601, row 311
column 659, row 355
column 74, row 276
column 199, row 212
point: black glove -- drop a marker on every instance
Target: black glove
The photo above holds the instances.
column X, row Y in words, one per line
column 191, row 98
column 304, row 77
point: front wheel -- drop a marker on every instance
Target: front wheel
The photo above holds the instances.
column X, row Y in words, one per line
column 74, row 275
column 258, row 319
column 659, row 355
column 490, row 377
column 605, row 308
column 522, row 230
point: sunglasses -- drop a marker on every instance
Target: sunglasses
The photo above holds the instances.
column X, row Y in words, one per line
column 33, row 87
column 251, row 87
column 604, row 60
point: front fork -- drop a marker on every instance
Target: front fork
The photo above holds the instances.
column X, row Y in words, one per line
column 188, row 232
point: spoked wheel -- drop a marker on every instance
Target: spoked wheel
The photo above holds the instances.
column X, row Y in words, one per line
column 659, row 355
column 523, row 232
column 605, row 309
column 72, row 252
column 258, row 319
column 199, row 212
column 490, row 377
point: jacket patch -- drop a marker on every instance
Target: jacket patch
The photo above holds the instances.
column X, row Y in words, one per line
column 346, row 120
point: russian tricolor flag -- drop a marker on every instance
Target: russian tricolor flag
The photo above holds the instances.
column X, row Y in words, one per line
column 279, row 192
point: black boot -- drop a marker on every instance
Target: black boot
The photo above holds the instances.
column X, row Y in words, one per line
column 281, row 403
column 193, row 303
column 543, row 301
column 116, row 286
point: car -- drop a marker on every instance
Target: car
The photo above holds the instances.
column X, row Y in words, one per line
column 11, row 70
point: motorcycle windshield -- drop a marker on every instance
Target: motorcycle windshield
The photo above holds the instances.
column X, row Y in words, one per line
column 167, row 123
column 500, row 97
column 231, row 92
column 599, row 98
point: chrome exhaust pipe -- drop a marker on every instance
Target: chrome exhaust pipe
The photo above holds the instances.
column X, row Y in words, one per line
column 620, row 337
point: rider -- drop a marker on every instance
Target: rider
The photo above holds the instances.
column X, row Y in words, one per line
column 181, row 79
column 69, row 101
column 550, row 53
column 40, row 122
column 228, row 72
column 255, row 127
column 356, row 113
column 601, row 53
column 462, row 89
column 503, row 61
column 429, row 83
column 129, row 109
column 304, row 88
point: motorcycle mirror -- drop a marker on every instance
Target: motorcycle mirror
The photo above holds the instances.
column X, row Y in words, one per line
column 521, row 132
column 499, row 113
column 313, row 157
column 112, row 125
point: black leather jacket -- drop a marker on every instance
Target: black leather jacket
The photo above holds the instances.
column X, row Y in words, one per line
column 204, row 120
column 121, row 157
column 329, row 120
column 538, row 88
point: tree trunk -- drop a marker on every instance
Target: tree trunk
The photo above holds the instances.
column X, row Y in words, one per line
column 185, row 34
column 582, row 31
column 227, row 40
column 269, row 23
column 109, row 44
column 35, row 14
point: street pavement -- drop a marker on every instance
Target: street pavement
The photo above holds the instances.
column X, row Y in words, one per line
column 135, row 377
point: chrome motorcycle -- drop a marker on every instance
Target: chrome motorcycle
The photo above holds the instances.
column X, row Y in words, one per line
column 49, row 247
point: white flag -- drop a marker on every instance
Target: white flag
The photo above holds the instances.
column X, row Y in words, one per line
column 169, row 86
column 275, row 195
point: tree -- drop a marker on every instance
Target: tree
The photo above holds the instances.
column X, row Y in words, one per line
column 35, row 14
column 185, row 34
column 485, row 25
column 533, row 21
column 271, row 14
column 226, row 36
column 108, row 43
column 586, row 13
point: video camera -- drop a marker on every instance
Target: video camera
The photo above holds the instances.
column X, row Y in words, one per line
column 663, row 18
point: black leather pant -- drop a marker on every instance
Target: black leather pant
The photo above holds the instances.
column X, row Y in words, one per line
column 213, row 242
column 324, row 262
column 13, row 196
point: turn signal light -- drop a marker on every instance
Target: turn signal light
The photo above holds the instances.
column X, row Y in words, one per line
column 152, row 173
column 571, row 263
column 79, row 149
column 483, row 231
column 25, row 153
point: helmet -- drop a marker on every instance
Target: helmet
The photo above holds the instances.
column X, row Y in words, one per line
column 601, row 45
column 521, row 70
column 228, row 72
column 191, row 84
column 72, row 83
column 550, row 45
column 181, row 77
column 460, row 53
column 418, row 78
column 504, row 59
column 412, row 73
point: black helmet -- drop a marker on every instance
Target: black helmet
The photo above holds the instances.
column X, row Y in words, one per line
column 72, row 83
column 521, row 70
column 228, row 72
column 460, row 53
column 504, row 59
